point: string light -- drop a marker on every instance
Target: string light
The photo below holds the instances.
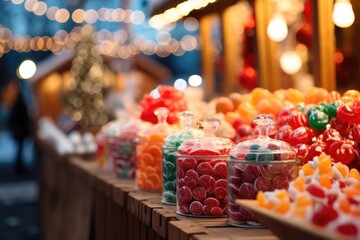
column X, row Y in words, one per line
column 79, row 15
column 174, row 14
column 108, row 43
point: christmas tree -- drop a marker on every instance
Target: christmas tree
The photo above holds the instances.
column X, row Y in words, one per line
column 84, row 100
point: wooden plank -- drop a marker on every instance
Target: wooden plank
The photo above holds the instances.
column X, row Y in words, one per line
column 324, row 45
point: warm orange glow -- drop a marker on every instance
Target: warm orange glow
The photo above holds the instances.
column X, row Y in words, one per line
column 339, row 57
column 62, row 15
column 39, row 8
column 40, row 43
column 29, row 4
column 78, row 16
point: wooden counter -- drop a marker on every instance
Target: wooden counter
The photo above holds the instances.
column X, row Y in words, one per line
column 80, row 201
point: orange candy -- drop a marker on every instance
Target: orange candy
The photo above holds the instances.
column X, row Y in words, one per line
column 308, row 170
column 354, row 173
column 299, row 183
column 149, row 166
column 343, row 169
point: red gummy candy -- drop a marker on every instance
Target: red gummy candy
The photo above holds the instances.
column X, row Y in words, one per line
column 185, row 194
column 184, row 209
column 209, row 204
column 247, row 191
column 302, row 152
column 196, row 208
column 301, row 135
column 191, row 178
column 220, row 193
column 204, row 168
column 263, row 184
column 348, row 229
column 199, row 193
column 180, row 173
column 315, row 191
column 281, row 182
column 216, row 211
column 207, row 182
column 221, row 183
column 265, row 172
column 220, row 169
column 188, row 163
column 324, row 216
column 346, row 113
column 342, row 151
column 245, row 215
column 298, row 119
column 251, row 172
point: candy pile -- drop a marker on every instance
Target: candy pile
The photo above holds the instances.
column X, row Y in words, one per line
column 169, row 97
column 326, row 194
column 332, row 128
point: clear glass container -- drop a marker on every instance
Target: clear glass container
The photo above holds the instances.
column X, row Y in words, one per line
column 201, row 173
column 261, row 164
column 169, row 150
column 124, row 148
column 149, row 153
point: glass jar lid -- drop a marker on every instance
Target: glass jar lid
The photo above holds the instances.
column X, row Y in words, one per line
column 209, row 145
column 187, row 132
column 263, row 148
column 159, row 131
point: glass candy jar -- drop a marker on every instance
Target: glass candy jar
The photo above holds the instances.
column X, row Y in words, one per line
column 261, row 164
column 124, row 149
column 169, row 150
column 201, row 173
column 149, row 153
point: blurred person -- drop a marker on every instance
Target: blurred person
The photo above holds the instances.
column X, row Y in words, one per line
column 18, row 119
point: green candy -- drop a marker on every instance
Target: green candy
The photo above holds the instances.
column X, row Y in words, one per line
column 318, row 120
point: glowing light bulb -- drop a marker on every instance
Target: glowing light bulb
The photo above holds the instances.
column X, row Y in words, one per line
column 277, row 29
column 343, row 14
column 180, row 84
column 27, row 69
column 290, row 62
column 195, row 80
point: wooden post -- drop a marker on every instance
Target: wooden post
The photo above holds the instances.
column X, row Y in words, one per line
column 207, row 56
column 324, row 45
column 231, row 45
column 268, row 63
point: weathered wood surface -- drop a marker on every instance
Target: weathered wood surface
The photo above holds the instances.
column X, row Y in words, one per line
column 81, row 201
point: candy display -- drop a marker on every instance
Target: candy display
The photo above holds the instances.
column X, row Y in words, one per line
column 171, row 144
column 201, row 174
column 327, row 127
column 261, row 164
column 170, row 98
column 325, row 194
column 149, row 153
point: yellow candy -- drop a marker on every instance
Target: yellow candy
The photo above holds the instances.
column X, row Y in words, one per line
column 343, row 169
column 282, row 207
column 354, row 173
column 308, row 170
column 303, row 201
column 324, row 166
column 299, row 184
column 325, row 181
